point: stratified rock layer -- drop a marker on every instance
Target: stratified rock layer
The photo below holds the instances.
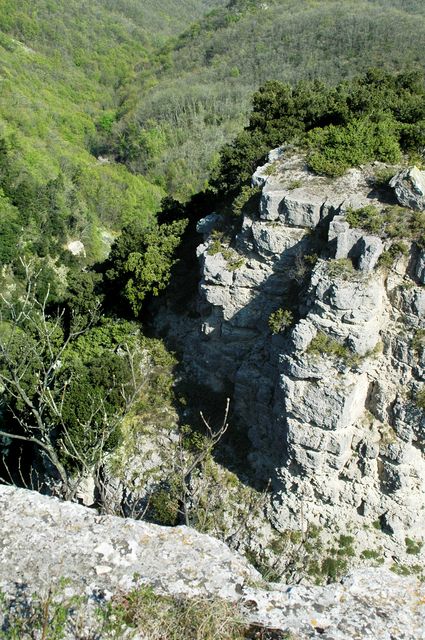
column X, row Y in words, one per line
column 43, row 540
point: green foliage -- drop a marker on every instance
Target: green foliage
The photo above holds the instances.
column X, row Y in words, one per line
column 405, row 224
column 164, row 506
column 393, row 222
column 40, row 216
column 345, row 546
column 420, row 399
column 216, row 246
column 334, row 149
column 280, row 320
column 370, row 554
column 295, row 184
column 233, row 260
column 141, row 260
column 367, row 218
column 60, row 83
column 47, row 616
column 83, row 292
column 140, row 611
column 10, row 229
column 382, row 177
column 341, row 268
column 191, row 93
column 418, row 341
column 413, row 547
column 357, row 121
column 171, row 618
column 333, row 568
column 322, row 344
column 70, row 381
column 247, row 201
column 397, row 249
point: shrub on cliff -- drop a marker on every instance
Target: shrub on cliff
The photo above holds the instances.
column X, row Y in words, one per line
column 334, row 149
column 376, row 116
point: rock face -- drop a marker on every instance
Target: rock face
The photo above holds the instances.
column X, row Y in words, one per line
column 330, row 404
column 409, row 186
column 43, row 540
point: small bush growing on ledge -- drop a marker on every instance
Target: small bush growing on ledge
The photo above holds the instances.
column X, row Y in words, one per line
column 247, row 201
column 168, row 618
column 325, row 345
column 233, row 259
column 341, row 268
column 394, row 222
column 420, row 399
column 382, row 177
column 386, row 259
column 367, row 218
column 418, row 341
column 280, row 320
column 334, row 149
column 413, row 547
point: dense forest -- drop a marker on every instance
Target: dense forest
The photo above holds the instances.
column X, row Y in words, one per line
column 108, row 110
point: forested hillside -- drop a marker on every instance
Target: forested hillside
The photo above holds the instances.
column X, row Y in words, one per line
column 195, row 94
column 62, row 66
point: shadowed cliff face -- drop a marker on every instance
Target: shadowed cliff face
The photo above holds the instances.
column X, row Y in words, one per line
column 330, row 403
column 43, row 541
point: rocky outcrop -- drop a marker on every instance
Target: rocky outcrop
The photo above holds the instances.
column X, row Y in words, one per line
column 409, row 185
column 43, row 541
column 330, row 405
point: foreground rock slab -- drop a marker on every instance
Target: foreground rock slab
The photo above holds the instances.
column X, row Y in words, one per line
column 43, row 540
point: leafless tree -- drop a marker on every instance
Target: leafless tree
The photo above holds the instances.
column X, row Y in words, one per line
column 33, row 345
column 188, row 462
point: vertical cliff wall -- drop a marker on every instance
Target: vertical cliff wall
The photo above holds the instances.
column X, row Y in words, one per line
column 332, row 404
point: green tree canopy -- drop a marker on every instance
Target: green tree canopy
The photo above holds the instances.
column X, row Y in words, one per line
column 141, row 260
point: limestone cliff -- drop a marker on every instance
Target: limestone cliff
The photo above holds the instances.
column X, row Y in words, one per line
column 332, row 403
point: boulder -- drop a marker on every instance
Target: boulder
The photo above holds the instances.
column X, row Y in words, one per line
column 76, row 247
column 409, row 186
column 270, row 204
column 216, row 270
column 207, row 224
column 301, row 209
column 370, row 249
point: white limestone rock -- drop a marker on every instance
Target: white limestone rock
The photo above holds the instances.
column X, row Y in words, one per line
column 321, row 425
column 274, row 239
column 420, row 267
column 76, row 247
column 329, row 404
column 43, row 540
column 270, row 204
column 205, row 225
column 301, row 208
column 370, row 250
column 409, row 186
column 216, row 269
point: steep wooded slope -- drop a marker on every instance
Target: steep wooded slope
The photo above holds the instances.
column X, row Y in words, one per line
column 61, row 68
column 196, row 95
